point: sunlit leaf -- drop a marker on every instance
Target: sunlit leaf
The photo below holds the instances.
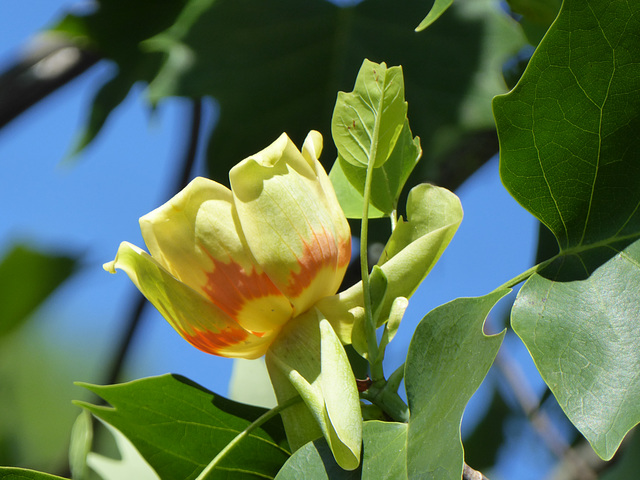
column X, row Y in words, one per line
column 276, row 66
column 583, row 336
column 367, row 122
column 570, row 154
column 12, row 473
column 80, row 445
column 179, row 427
column 129, row 464
column 387, row 183
column 384, row 456
column 628, row 465
column 438, row 8
column 307, row 359
column 448, row 358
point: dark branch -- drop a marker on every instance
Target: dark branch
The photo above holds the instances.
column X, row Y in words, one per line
column 49, row 63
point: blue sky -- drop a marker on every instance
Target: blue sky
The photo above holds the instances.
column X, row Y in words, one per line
column 93, row 202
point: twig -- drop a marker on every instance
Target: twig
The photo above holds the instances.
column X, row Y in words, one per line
column 469, row 473
column 539, row 419
column 50, row 62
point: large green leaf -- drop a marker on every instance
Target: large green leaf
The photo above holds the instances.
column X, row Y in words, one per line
column 583, row 336
column 384, row 456
column 570, row 154
column 27, row 278
column 276, row 66
column 568, row 143
column 448, row 357
column 12, row 473
column 179, row 427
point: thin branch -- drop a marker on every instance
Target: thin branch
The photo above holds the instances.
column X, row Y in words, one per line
column 541, row 422
column 469, row 473
column 49, row 62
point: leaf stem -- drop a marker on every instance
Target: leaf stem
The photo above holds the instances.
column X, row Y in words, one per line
column 388, row 400
column 526, row 274
column 393, row 217
column 369, row 325
column 238, row 438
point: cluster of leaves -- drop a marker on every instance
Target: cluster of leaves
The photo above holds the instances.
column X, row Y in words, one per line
column 568, row 154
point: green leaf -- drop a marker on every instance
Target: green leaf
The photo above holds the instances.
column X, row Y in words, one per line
column 116, row 30
column 80, row 445
column 437, row 9
column 315, row 462
column 367, row 122
column 388, row 180
column 433, row 216
column 448, row 357
column 568, row 143
column 27, row 278
column 583, row 336
column 129, row 464
column 13, row 473
column 384, row 456
column 570, row 154
column 276, row 66
column 178, row 427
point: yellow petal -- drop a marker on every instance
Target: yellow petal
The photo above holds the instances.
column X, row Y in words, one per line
column 196, row 237
column 291, row 220
column 197, row 319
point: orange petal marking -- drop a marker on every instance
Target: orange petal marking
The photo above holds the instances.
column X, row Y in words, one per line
column 230, row 287
column 317, row 255
column 215, row 342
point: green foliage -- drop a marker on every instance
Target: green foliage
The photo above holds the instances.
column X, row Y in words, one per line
column 276, row 66
column 448, row 358
column 367, row 122
column 370, row 127
column 384, row 455
column 569, row 154
column 27, row 278
column 437, row 9
column 387, row 182
column 583, row 336
column 178, row 427
column 11, row 473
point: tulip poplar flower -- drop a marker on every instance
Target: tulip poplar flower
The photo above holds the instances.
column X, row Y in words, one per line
column 231, row 268
column 253, row 270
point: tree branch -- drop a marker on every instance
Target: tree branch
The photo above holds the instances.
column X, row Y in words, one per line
column 50, row 62
column 469, row 473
